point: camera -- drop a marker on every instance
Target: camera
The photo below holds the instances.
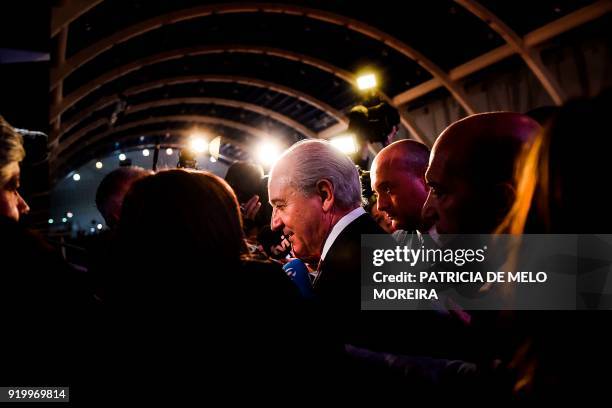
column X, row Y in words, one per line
column 373, row 124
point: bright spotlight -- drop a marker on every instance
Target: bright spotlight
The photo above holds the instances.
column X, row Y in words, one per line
column 50, row 221
column 76, row 176
column 145, row 152
column 214, row 147
column 64, row 219
column 198, row 145
column 367, row 81
column 99, row 165
column 169, row 151
column 122, row 157
column 345, row 143
column 99, row 226
column 268, row 152
column 69, row 214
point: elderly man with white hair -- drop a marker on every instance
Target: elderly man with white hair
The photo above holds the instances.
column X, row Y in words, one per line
column 315, row 193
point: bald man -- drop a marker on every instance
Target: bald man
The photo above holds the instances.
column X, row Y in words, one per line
column 471, row 172
column 398, row 178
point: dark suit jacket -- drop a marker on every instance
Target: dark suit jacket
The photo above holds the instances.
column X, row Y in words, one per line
column 338, row 290
column 338, row 284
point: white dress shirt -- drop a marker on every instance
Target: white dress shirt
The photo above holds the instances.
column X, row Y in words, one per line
column 339, row 227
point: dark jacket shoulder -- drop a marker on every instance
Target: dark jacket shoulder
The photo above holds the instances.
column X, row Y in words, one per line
column 338, row 282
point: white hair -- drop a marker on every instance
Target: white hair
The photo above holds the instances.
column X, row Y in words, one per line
column 313, row 160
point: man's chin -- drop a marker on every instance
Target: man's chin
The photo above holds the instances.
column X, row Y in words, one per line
column 304, row 255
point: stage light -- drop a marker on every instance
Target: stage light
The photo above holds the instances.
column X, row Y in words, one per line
column 214, row 147
column 99, row 165
column 76, row 176
column 122, row 157
column 50, row 221
column 169, row 151
column 268, row 152
column 69, row 214
column 145, row 152
column 64, row 219
column 99, row 226
column 366, row 81
column 198, row 144
column 92, row 229
column 345, row 143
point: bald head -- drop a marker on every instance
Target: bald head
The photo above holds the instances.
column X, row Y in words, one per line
column 398, row 178
column 404, row 155
column 483, row 148
column 471, row 171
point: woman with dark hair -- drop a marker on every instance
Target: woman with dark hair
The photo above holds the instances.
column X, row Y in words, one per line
column 188, row 295
column 184, row 217
column 559, row 178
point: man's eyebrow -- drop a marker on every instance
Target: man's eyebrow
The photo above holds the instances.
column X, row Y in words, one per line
column 277, row 201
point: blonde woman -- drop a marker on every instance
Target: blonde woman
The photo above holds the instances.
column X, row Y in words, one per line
column 12, row 205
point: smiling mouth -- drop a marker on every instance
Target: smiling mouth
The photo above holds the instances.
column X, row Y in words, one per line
column 287, row 236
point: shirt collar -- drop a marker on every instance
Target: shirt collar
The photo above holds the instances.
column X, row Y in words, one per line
column 339, row 227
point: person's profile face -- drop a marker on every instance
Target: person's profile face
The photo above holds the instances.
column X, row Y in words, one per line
column 383, row 220
column 400, row 195
column 12, row 205
column 300, row 218
column 450, row 203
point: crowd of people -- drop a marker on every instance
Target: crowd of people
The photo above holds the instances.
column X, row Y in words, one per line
column 253, row 282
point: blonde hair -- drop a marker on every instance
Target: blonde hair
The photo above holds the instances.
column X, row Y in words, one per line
column 532, row 177
column 11, row 149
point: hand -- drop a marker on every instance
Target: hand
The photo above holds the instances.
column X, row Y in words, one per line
column 251, row 208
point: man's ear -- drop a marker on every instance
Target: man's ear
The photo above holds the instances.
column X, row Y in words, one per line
column 325, row 190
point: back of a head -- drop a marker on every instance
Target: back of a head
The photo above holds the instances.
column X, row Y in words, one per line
column 562, row 173
column 112, row 190
column 309, row 161
column 579, row 157
column 245, row 179
column 180, row 219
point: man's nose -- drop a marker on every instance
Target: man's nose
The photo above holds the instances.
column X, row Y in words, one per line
column 382, row 203
column 22, row 206
column 275, row 222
